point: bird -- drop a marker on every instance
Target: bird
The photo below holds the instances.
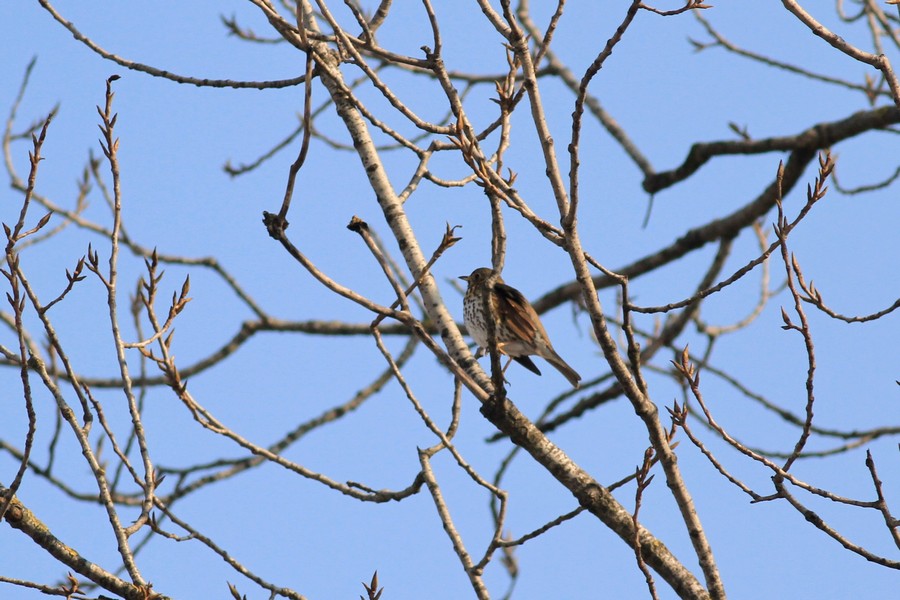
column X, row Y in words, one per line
column 518, row 330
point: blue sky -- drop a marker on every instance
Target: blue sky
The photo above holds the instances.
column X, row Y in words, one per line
column 175, row 140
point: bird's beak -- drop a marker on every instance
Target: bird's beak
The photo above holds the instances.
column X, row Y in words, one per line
column 465, row 278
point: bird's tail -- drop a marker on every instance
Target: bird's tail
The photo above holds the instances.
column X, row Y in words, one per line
column 563, row 367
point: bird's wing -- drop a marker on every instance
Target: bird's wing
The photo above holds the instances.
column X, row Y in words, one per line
column 526, row 362
column 517, row 312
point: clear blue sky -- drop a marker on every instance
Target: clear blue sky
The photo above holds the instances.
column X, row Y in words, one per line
column 175, row 140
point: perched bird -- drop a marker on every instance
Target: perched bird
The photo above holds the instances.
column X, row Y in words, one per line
column 518, row 330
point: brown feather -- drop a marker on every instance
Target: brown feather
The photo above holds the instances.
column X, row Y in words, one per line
column 520, row 317
column 516, row 325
